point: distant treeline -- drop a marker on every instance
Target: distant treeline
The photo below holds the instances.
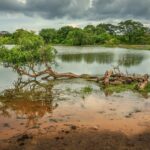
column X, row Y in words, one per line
column 126, row 32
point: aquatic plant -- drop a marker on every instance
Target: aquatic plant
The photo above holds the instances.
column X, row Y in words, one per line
column 87, row 90
column 126, row 87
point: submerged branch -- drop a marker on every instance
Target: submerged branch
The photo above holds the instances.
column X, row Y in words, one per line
column 49, row 72
column 111, row 77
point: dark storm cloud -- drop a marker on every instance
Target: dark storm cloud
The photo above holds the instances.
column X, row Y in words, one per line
column 10, row 6
column 46, row 8
column 79, row 9
column 121, row 9
column 57, row 8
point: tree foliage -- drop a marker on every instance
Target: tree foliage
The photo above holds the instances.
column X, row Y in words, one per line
column 62, row 33
column 27, row 40
column 132, row 32
column 126, row 32
column 30, row 48
column 19, row 57
column 48, row 35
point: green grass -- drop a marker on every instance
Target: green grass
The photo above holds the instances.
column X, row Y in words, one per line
column 68, row 89
column 127, row 46
column 119, row 88
column 147, row 89
column 87, row 90
column 125, row 87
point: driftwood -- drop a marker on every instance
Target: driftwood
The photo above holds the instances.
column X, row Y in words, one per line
column 111, row 77
column 107, row 77
column 48, row 72
column 144, row 82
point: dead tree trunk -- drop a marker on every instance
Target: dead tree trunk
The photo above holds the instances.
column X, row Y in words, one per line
column 142, row 85
column 49, row 72
column 110, row 77
column 107, row 76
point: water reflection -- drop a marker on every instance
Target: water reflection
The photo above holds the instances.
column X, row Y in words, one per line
column 30, row 100
column 89, row 58
column 129, row 60
column 97, row 61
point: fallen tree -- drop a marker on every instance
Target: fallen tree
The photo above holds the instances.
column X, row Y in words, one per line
column 120, row 82
column 111, row 77
column 25, row 59
column 48, row 72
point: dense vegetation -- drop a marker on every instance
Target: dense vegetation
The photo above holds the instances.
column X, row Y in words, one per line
column 30, row 48
column 109, row 90
column 127, row 32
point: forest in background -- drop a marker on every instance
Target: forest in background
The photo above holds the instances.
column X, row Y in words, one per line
column 127, row 32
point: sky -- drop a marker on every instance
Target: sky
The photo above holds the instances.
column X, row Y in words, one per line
column 38, row 14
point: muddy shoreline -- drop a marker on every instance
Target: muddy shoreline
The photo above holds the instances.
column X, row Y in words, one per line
column 72, row 137
column 94, row 123
column 63, row 117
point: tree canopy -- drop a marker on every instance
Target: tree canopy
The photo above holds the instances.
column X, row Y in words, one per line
column 29, row 48
column 125, row 32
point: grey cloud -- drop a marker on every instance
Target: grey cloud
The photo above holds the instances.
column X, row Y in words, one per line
column 46, row 8
column 9, row 6
column 79, row 9
column 121, row 9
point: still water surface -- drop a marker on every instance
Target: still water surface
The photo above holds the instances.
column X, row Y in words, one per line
column 91, row 60
column 96, row 60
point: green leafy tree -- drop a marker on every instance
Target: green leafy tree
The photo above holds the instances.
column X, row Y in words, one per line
column 79, row 37
column 30, row 49
column 75, row 37
column 103, row 38
column 6, row 40
column 17, row 56
column 27, row 40
column 108, row 28
column 90, row 29
column 126, row 32
column 100, row 29
column 48, row 35
column 89, row 39
column 62, row 33
column 132, row 32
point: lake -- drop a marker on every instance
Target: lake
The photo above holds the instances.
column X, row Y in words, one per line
column 29, row 105
column 96, row 60
column 91, row 60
